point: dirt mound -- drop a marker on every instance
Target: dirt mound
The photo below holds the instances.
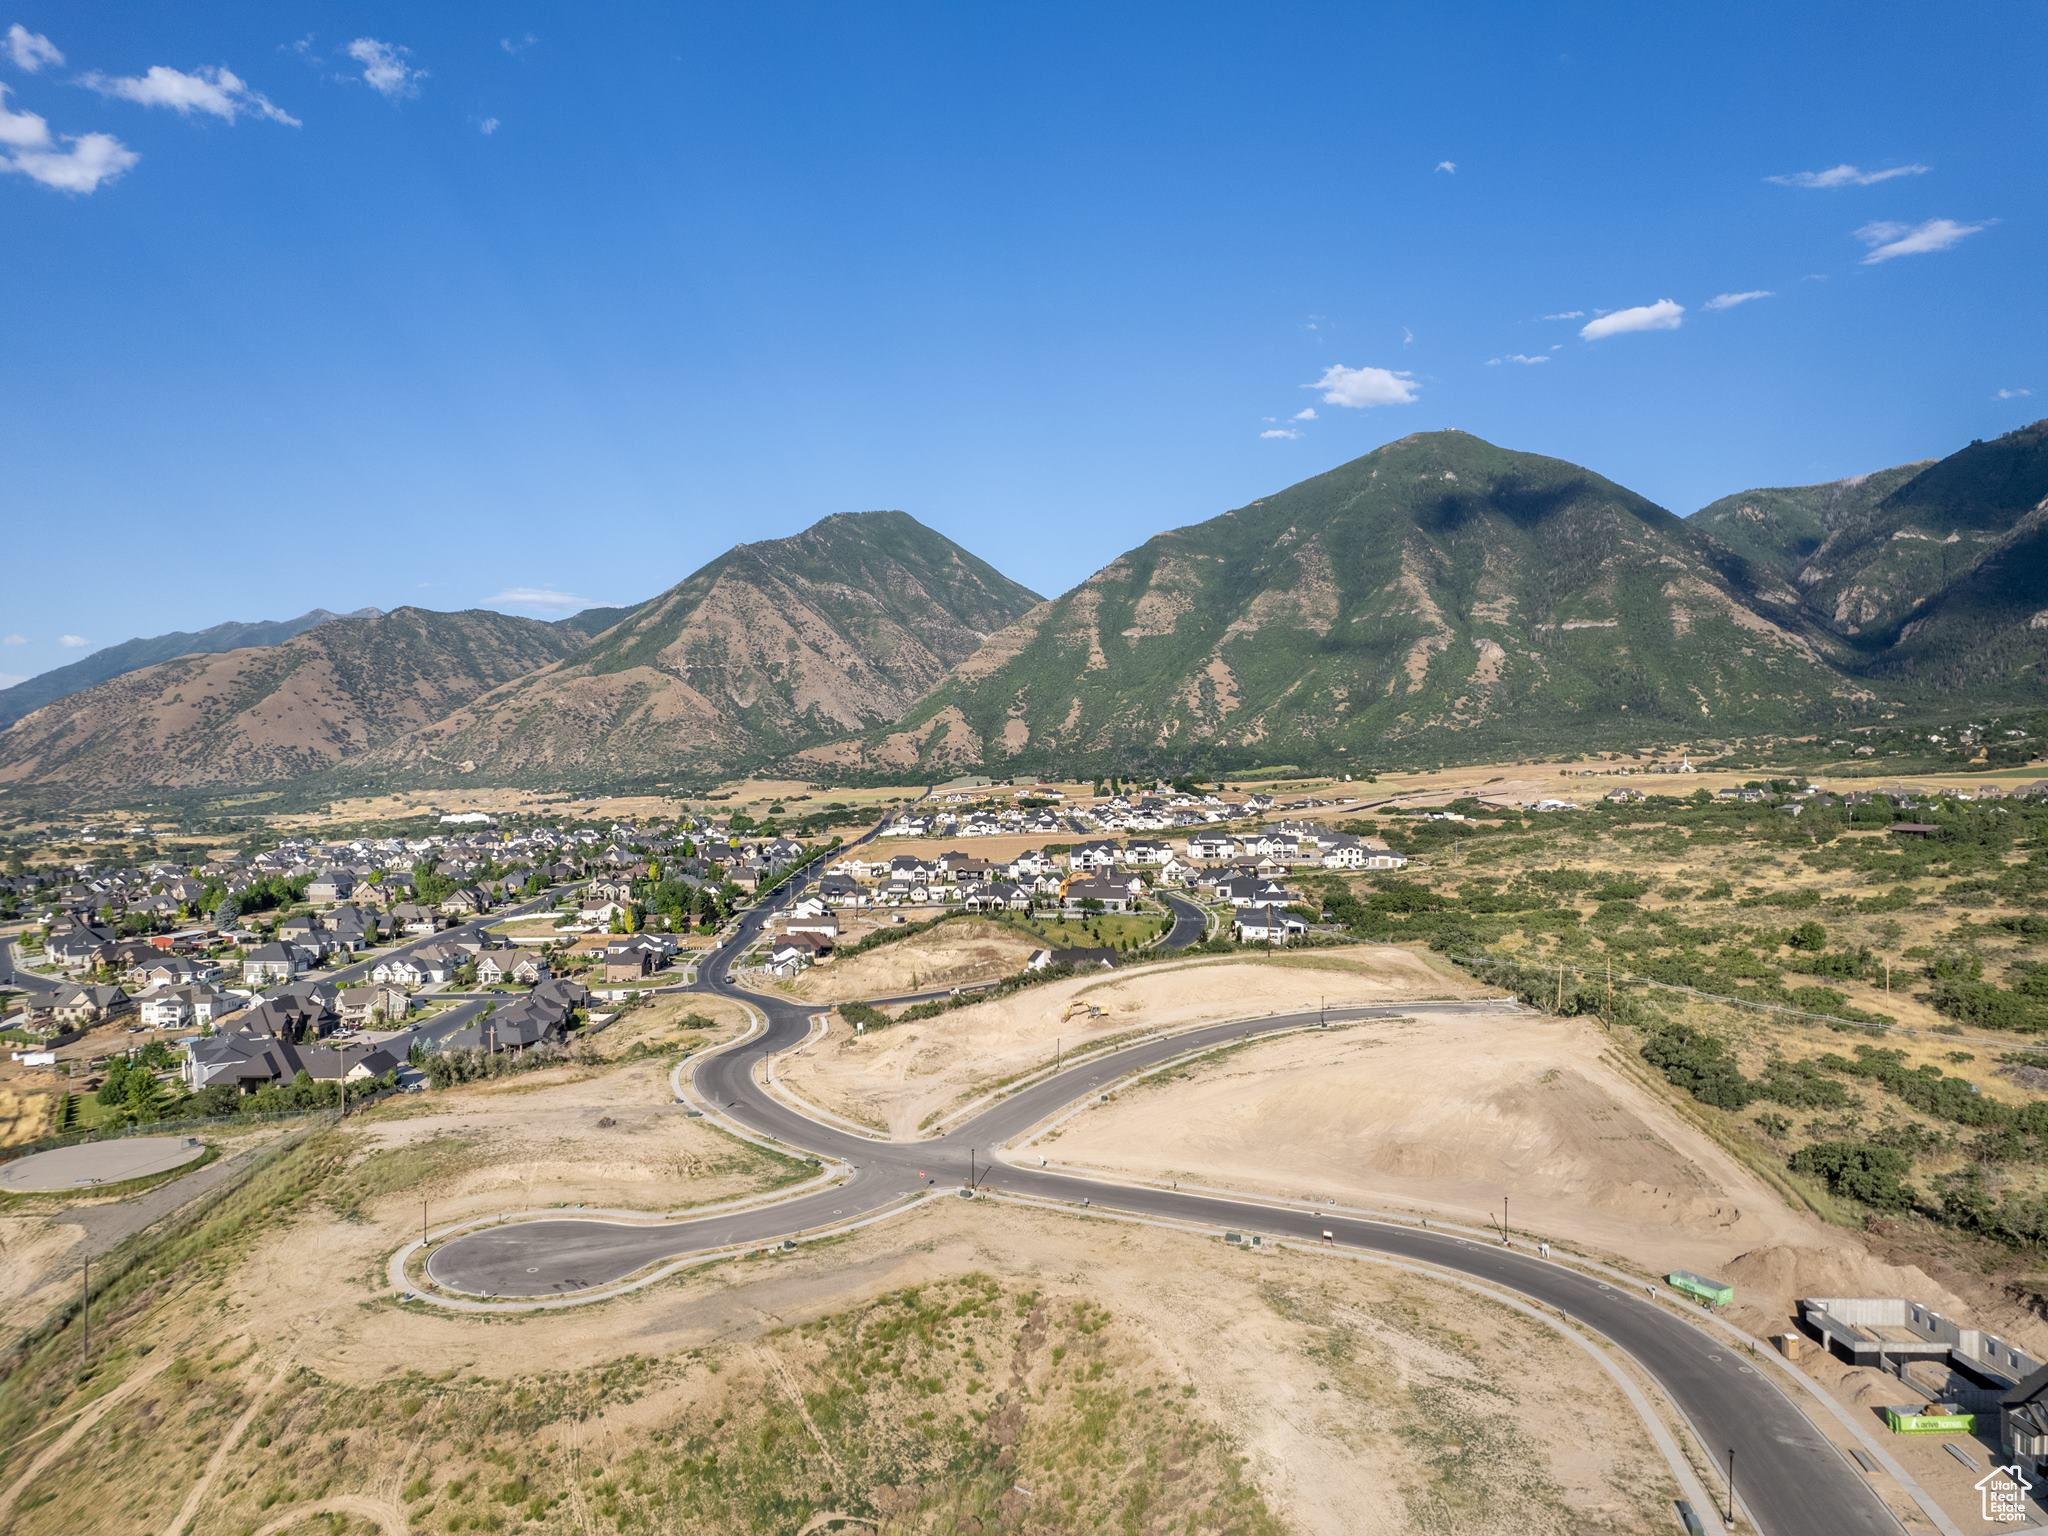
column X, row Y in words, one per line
column 1777, row 1275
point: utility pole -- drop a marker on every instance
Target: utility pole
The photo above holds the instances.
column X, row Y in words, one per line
column 1503, row 1217
column 1731, row 1485
column 423, row 1223
column 970, row 1167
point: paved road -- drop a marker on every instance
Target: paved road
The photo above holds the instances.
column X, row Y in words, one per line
column 37, row 988
column 1794, row 1481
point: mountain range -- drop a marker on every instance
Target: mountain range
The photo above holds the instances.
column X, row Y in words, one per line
column 1438, row 598
column 130, row 655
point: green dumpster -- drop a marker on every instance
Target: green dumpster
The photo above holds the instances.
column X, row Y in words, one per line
column 1700, row 1286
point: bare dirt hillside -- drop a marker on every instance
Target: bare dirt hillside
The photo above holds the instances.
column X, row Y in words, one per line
column 267, row 713
column 771, row 645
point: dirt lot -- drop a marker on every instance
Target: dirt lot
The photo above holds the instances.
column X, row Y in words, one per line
column 947, row 956
column 899, row 1078
column 1443, row 1116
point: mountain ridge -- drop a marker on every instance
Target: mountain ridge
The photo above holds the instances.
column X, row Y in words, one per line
column 111, row 661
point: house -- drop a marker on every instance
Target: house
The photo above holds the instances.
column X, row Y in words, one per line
column 468, row 901
column 788, row 958
column 2023, row 1421
column 1114, row 895
column 630, row 959
column 1266, row 925
column 1251, row 891
column 89, row 1005
column 270, row 963
column 253, row 1061
column 823, row 924
column 495, row 967
column 79, row 949
column 305, row 1015
column 170, row 971
column 364, row 1007
column 182, row 1007
column 411, row 917
column 330, row 886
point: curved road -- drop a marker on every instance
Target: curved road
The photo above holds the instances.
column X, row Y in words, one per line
column 1793, row 1481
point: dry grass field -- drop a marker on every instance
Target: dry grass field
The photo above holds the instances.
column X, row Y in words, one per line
column 986, row 1364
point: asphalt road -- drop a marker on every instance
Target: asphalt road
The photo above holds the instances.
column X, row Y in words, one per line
column 35, row 988
column 1793, row 1481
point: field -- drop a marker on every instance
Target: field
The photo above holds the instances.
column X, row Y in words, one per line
column 1876, row 1052
column 986, row 1365
column 904, row 1077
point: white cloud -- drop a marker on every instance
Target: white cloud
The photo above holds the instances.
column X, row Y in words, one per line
column 1407, row 337
column 14, row 640
column 1518, row 357
column 1660, row 316
column 31, row 50
column 1845, row 176
column 487, row 127
column 91, row 161
column 1306, row 413
column 73, row 642
column 517, row 44
column 537, row 597
column 1362, row 388
column 1448, row 167
column 212, row 88
column 1730, row 300
column 1888, row 239
column 384, row 68
column 1283, row 432
column 2003, row 394
column 1567, row 314
column 21, row 130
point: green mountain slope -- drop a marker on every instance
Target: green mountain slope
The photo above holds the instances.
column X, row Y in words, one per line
column 113, row 660
column 1436, row 595
column 262, row 714
column 770, row 646
column 1884, row 559
column 1779, row 528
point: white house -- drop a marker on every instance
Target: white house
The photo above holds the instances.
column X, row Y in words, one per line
column 1267, row 925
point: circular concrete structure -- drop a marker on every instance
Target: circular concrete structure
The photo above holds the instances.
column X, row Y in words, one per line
column 98, row 1162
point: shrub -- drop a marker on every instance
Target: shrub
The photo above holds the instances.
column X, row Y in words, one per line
column 1700, row 1065
column 1859, row 1170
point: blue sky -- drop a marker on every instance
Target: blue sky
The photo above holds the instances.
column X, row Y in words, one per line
column 384, row 304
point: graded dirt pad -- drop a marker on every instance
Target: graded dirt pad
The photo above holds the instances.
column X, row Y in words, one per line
column 901, row 1077
column 1443, row 1115
column 559, row 1136
column 948, row 1355
column 99, row 1162
column 949, row 955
